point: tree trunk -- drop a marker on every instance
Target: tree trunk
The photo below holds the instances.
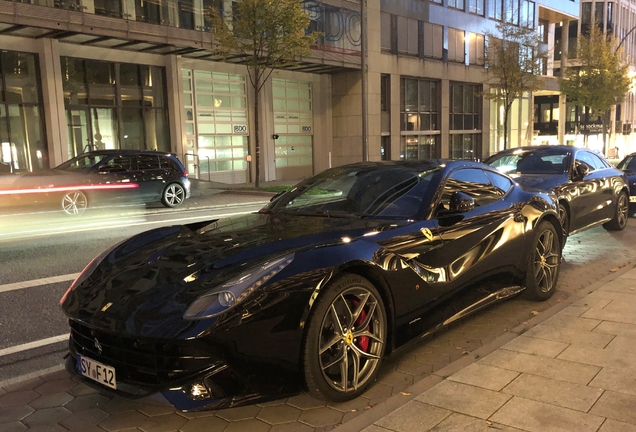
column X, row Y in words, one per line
column 257, row 133
column 604, row 122
column 505, row 131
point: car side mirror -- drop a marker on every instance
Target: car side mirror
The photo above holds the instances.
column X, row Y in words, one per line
column 275, row 197
column 461, row 202
column 581, row 171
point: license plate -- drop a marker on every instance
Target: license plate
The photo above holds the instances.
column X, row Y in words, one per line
column 96, row 371
column 632, row 199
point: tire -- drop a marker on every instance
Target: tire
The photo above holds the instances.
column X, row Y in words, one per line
column 542, row 274
column 173, row 195
column 74, row 202
column 350, row 360
column 564, row 218
column 621, row 214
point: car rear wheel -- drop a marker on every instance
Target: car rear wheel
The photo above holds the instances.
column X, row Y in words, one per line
column 543, row 267
column 74, row 202
column 619, row 221
column 173, row 195
column 346, row 339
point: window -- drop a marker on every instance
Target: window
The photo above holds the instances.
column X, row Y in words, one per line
column 121, row 163
column 386, row 30
column 148, row 162
column 465, row 107
column 419, row 147
column 457, row 4
column 455, row 45
column 598, row 14
column 511, row 11
column 419, row 105
column 586, row 158
column 500, row 183
column 597, row 162
column 385, row 148
column 495, row 9
column 433, row 40
column 465, row 146
column 476, row 7
column 527, row 14
column 472, row 182
column 385, row 89
column 408, row 35
column 475, row 48
column 293, row 122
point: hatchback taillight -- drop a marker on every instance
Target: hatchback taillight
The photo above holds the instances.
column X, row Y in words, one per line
column 185, row 173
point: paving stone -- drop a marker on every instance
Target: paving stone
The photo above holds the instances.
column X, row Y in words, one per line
column 51, row 387
column 24, row 385
column 592, row 302
column 304, row 401
column 207, row 424
column 488, row 377
column 414, row 368
column 573, row 310
column 279, row 414
column 52, row 400
column 629, row 275
column 396, row 379
column 358, row 404
column 614, row 426
column 321, row 417
column 597, row 357
column 465, row 399
column 413, row 416
column 617, row 380
column 82, row 389
column 463, row 423
column 540, row 347
column 572, row 322
column 239, row 413
column 560, row 393
column 542, row 366
column 89, row 401
column 622, row 316
column 156, row 410
column 571, row 336
column 248, row 425
column 435, row 359
column 378, row 390
column 47, row 428
column 123, row 420
column 84, row 419
column 616, row 406
column 14, row 414
column 47, row 416
column 119, row 404
column 612, row 328
column 18, row 398
column 197, row 414
column 163, row 423
column 292, row 427
column 622, row 344
column 620, row 285
column 13, row 427
column 374, row 428
column 55, row 376
column 540, row 417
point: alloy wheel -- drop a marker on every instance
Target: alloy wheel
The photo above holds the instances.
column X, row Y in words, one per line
column 174, row 195
column 74, row 203
column 623, row 210
column 546, row 261
column 351, row 339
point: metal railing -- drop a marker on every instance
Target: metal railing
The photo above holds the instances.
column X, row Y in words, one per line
column 196, row 163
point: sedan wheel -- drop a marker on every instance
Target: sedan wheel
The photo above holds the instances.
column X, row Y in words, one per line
column 621, row 214
column 74, row 202
column 346, row 339
column 543, row 268
column 173, row 195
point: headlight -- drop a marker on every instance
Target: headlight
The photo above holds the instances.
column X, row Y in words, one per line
column 90, row 267
column 235, row 290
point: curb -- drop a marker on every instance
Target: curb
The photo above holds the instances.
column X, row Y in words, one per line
column 368, row 418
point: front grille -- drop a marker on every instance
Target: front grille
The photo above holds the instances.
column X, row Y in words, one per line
column 140, row 361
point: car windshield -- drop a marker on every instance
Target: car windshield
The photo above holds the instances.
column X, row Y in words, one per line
column 81, row 162
column 532, row 161
column 627, row 164
column 390, row 191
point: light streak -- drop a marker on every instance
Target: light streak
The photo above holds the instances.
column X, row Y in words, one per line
column 69, row 188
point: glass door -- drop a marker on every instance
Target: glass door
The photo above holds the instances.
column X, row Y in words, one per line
column 79, row 137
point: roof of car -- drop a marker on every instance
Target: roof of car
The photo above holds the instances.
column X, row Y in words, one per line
column 126, row 151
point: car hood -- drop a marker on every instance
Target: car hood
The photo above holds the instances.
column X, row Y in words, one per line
column 544, row 182
column 145, row 284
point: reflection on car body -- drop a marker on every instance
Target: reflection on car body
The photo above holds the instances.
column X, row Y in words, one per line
column 314, row 290
column 589, row 189
column 101, row 177
column 628, row 166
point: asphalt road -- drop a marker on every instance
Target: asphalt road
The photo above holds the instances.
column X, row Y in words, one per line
column 38, row 246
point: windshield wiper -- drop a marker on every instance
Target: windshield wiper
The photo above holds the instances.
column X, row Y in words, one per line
column 322, row 213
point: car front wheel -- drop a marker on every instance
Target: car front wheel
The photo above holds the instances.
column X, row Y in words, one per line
column 346, row 339
column 543, row 267
column 619, row 221
column 173, row 195
column 74, row 202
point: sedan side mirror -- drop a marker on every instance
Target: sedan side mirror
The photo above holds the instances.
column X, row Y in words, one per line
column 581, row 171
column 461, row 202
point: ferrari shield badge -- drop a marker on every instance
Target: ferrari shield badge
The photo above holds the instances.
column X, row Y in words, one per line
column 427, row 233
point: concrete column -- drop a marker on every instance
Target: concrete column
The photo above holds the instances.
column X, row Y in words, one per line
column 550, row 61
column 444, row 120
column 174, row 88
column 53, row 101
column 562, row 119
column 565, row 42
column 396, row 127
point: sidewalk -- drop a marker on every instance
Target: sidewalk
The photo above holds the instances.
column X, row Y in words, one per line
column 575, row 371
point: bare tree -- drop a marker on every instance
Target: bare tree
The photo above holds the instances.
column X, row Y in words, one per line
column 513, row 60
column 267, row 34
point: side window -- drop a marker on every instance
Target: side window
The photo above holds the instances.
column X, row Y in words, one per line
column 148, row 162
column 117, row 164
column 586, row 158
column 632, row 164
column 598, row 162
column 472, row 182
column 166, row 163
column 500, row 183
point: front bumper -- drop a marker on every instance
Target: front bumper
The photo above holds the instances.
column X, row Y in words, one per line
column 185, row 372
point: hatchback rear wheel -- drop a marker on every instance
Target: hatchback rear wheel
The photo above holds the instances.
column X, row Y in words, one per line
column 173, row 195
